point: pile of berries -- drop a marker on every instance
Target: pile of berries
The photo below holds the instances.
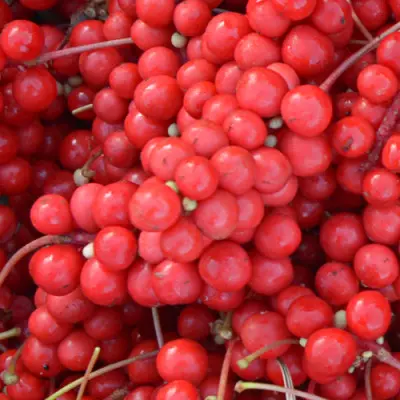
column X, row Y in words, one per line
column 200, row 199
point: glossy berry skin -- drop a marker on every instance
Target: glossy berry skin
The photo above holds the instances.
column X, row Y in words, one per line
column 295, row 10
column 22, row 40
column 260, row 83
column 159, row 97
column 222, row 35
column 143, row 372
column 217, row 216
column 254, row 371
column 35, row 89
column 381, row 187
column 266, row 19
column 191, row 17
column 317, row 312
column 111, row 205
column 56, row 269
column 307, row 50
column 240, row 121
column 308, row 156
column 385, row 380
column 221, row 301
column 376, row 266
column 50, row 215
column 264, row 329
column 255, row 50
column 176, row 283
column 269, row 238
column 139, row 284
column 105, row 324
column 154, row 207
column 377, row 83
column 368, row 315
column 115, row 247
column 225, row 266
column 307, row 110
column 176, row 390
column 166, row 155
column 270, row 276
column 182, row 242
column 382, row 225
column 336, row 283
column 236, row 168
column 28, row 386
column 9, row 144
column 101, row 286
column 353, row 137
column 182, row 359
column 390, row 153
column 342, row 235
column 46, row 328
column 273, row 170
column 41, row 359
column 330, row 350
column 194, row 322
column 75, row 350
column 81, row 204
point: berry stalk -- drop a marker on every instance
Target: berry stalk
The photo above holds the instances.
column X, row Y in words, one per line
column 89, row 369
column 223, row 380
column 52, row 55
column 242, row 386
column 74, row 238
column 246, row 361
column 333, row 77
column 100, row 372
column 14, row 332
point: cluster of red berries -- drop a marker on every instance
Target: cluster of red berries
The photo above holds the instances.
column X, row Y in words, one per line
column 200, row 201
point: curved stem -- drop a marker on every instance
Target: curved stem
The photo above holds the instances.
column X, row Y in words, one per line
column 242, row 386
column 287, row 379
column 383, row 133
column 361, row 27
column 226, row 366
column 73, row 238
column 52, row 55
column 244, row 362
column 380, row 352
column 9, row 375
column 85, row 170
column 331, row 79
column 89, row 369
column 27, row 249
column 101, row 371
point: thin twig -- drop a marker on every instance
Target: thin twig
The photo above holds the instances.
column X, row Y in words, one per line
column 287, row 379
column 361, row 27
column 102, row 371
column 89, row 369
column 331, row 79
column 52, row 55
column 367, row 380
column 157, row 327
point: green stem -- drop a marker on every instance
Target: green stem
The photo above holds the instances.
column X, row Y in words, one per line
column 242, row 386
